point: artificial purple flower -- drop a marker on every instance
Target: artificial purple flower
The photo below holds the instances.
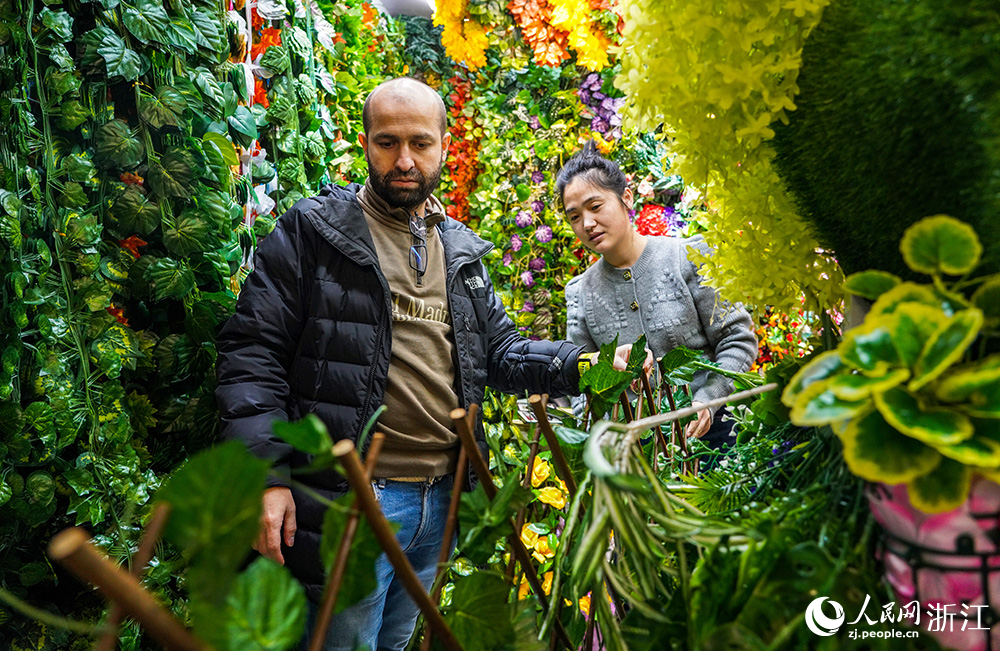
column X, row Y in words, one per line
column 528, row 307
column 534, row 122
column 524, row 219
column 599, row 125
column 536, row 264
column 537, row 205
column 507, row 259
column 615, row 120
column 592, row 81
column 543, row 233
column 608, row 104
column 527, row 278
column 537, row 177
column 599, row 96
column 515, row 243
column 584, row 95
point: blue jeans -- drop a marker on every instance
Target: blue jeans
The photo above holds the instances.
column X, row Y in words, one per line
column 384, row 620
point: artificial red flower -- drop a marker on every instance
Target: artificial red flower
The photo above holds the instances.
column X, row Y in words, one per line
column 268, row 36
column 128, row 178
column 338, row 39
column 260, row 93
column 118, row 313
column 132, row 245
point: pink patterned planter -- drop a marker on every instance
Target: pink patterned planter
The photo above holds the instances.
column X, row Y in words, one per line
column 950, row 558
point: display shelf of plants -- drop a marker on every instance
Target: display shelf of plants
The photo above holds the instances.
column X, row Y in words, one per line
column 840, row 157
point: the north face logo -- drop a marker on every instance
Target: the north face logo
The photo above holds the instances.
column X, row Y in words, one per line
column 475, row 282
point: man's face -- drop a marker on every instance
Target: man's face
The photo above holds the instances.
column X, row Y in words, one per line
column 405, row 150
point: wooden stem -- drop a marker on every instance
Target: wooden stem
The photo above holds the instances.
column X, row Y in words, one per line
column 486, row 479
column 344, row 450
column 109, row 639
column 626, row 407
column 526, row 483
column 336, row 576
column 537, row 403
column 653, row 411
column 72, row 549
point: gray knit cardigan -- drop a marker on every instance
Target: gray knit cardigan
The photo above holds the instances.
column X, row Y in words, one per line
column 662, row 297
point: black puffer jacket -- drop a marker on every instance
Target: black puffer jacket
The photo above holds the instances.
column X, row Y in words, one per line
column 312, row 334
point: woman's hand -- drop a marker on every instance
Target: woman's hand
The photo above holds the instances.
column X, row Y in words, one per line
column 699, row 426
column 622, row 353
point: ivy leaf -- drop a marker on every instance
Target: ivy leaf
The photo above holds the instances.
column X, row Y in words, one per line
column 120, row 60
column 163, row 109
column 118, row 146
column 243, row 126
column 60, row 22
column 171, row 176
column 215, row 501
column 186, row 234
column 265, row 611
column 207, row 31
column 60, row 56
column 79, row 168
column 135, row 212
column 147, row 22
column 72, row 114
column 170, row 278
column 86, row 48
column 182, row 35
column 275, row 60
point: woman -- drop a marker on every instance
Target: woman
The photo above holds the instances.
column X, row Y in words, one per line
column 646, row 285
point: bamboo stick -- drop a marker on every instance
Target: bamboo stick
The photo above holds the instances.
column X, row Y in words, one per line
column 486, row 479
column 653, row 411
column 344, row 450
column 109, row 639
column 72, row 549
column 537, row 403
column 336, row 576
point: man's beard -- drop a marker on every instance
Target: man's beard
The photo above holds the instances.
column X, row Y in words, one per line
column 397, row 197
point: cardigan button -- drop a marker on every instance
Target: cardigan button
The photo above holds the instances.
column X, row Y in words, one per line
column 627, row 275
column 634, row 305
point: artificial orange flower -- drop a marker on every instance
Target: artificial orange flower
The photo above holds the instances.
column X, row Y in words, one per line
column 369, row 14
column 268, row 36
column 132, row 245
column 260, row 93
column 118, row 313
column 129, row 178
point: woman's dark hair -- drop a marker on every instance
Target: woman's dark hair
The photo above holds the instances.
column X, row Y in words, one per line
column 594, row 168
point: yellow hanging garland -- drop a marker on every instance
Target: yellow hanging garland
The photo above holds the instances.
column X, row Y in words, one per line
column 717, row 78
column 589, row 42
column 464, row 39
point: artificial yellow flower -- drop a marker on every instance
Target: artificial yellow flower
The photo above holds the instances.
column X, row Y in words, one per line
column 523, row 589
column 528, row 537
column 542, row 550
column 547, row 582
column 540, row 471
column 584, row 604
column 552, row 496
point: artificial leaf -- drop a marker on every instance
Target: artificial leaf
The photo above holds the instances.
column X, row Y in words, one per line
column 946, row 346
column 243, row 126
column 987, row 299
column 359, row 579
column 118, row 146
column 182, row 34
column 934, row 426
column 307, row 435
column 171, row 176
column 483, row 521
column 961, row 383
column 224, row 146
column 941, row 244
column 79, row 168
column 136, row 213
column 186, row 234
column 912, row 325
column 216, row 170
column 59, row 22
column 976, row 451
column 676, row 365
column 870, row 284
column 266, row 610
column 208, row 31
column 856, row 386
column 169, row 278
column 147, row 21
column 211, row 92
column 163, row 109
column 275, row 60
column 72, row 114
column 479, row 614
column 818, row 405
column 120, row 60
column 875, row 451
column 903, row 293
column 869, row 347
column 945, row 488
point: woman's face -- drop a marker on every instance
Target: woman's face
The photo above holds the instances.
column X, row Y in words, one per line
column 598, row 216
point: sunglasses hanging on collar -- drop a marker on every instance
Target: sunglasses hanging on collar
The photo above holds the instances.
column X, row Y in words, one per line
column 418, row 247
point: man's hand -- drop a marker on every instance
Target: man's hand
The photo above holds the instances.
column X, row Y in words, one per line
column 622, row 354
column 276, row 520
column 699, row 426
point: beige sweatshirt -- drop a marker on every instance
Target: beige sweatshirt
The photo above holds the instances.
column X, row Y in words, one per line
column 420, row 394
